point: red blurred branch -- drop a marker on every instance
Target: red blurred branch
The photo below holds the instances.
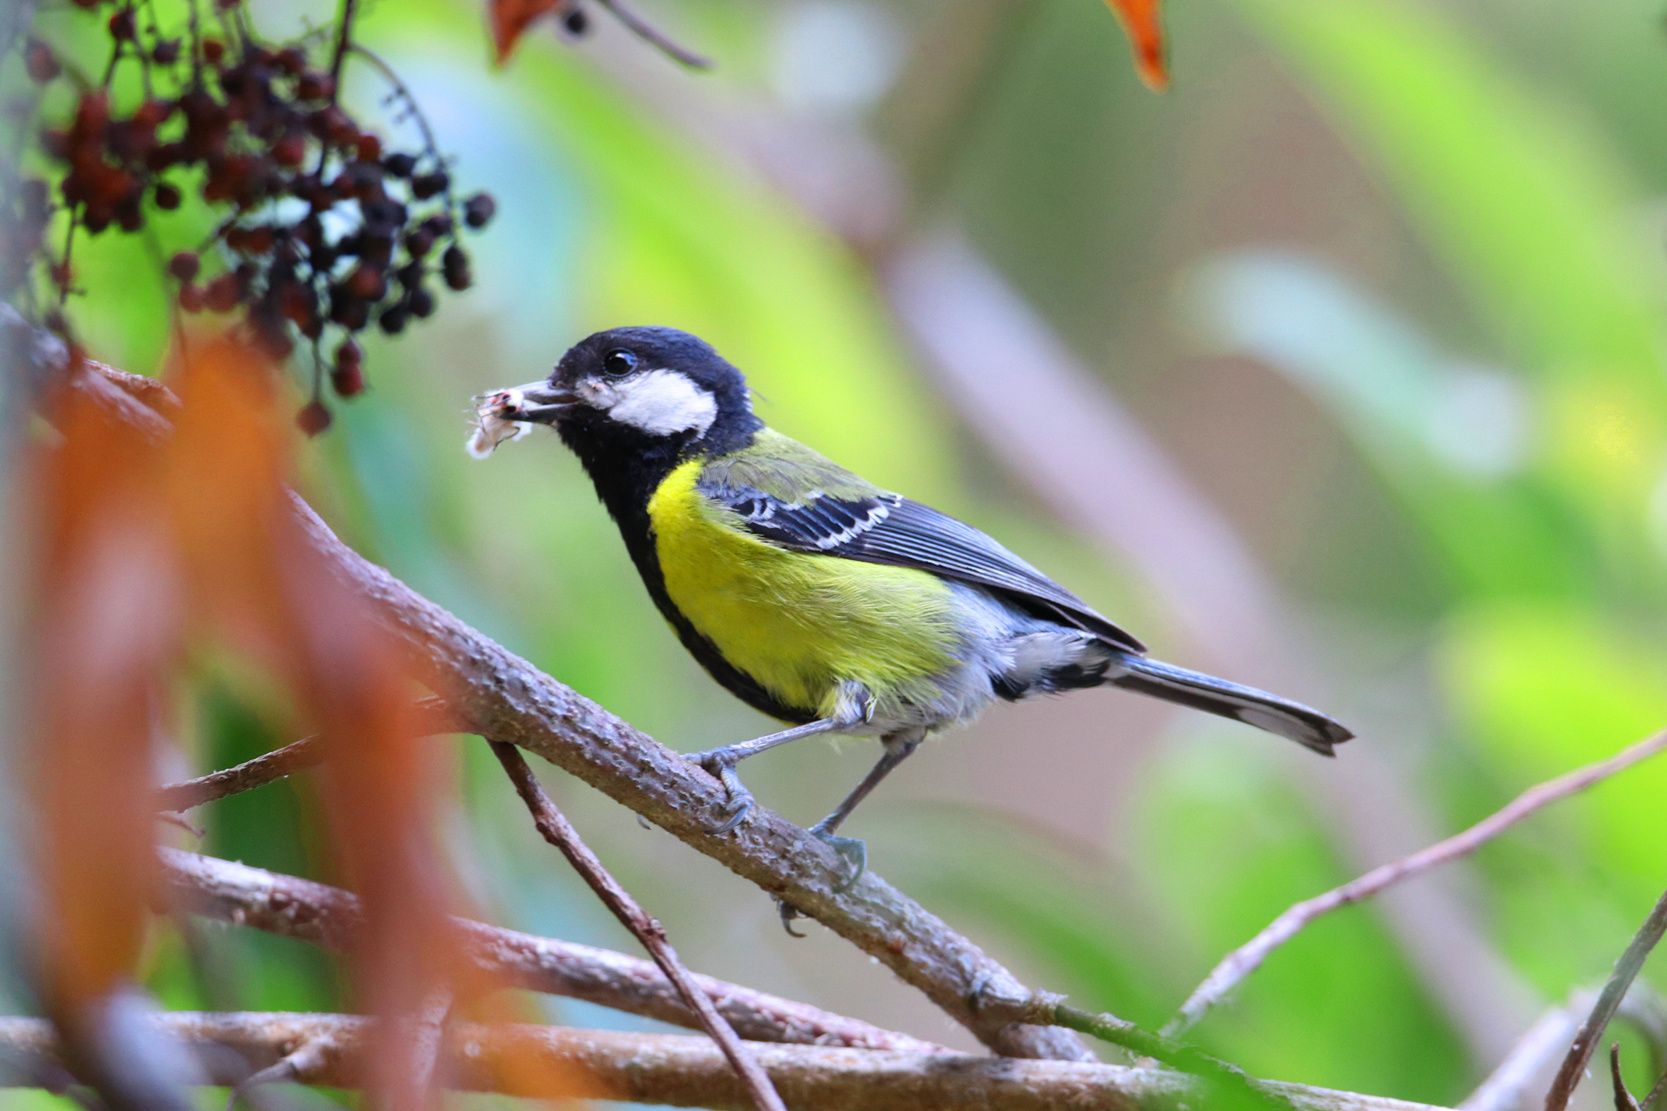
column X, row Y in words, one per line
column 327, row 916
column 1244, row 960
column 497, row 694
column 679, row 1070
column 555, row 828
column 1608, row 1002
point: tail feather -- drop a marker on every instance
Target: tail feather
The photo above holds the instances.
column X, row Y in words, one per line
column 1302, row 724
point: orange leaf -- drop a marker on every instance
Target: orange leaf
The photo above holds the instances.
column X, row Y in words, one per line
column 511, row 18
column 1145, row 31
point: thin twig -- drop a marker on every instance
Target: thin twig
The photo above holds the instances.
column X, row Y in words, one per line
column 1623, row 1098
column 278, row 764
column 1224, row 1082
column 557, row 830
column 635, row 22
column 682, row 1070
column 1542, row 1045
column 266, row 768
column 1244, row 960
column 1655, row 1092
column 344, row 43
column 329, row 917
column 1608, row 1002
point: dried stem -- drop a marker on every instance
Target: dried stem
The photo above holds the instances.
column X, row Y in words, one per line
column 328, row 917
column 1608, row 1002
column 678, row 1070
column 1244, row 960
column 557, row 830
column 635, row 22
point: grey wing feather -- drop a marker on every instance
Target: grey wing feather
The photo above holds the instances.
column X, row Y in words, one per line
column 887, row 528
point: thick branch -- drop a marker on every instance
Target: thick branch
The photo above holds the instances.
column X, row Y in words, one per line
column 555, row 828
column 679, row 1070
column 328, row 916
column 1244, row 960
column 500, row 695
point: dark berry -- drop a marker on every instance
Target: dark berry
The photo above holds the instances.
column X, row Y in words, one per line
column 399, row 165
column 315, row 86
column 392, row 320
column 479, row 209
column 221, row 295
column 123, row 25
column 167, row 196
column 576, row 21
column 166, row 52
column 454, row 267
column 313, row 418
column 432, row 184
column 41, row 63
column 291, row 150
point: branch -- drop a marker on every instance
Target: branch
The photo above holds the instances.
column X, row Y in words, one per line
column 280, row 763
column 1244, row 960
column 682, row 1071
column 557, row 830
column 1222, row 1084
column 1543, row 1044
column 497, row 694
column 268, row 767
column 328, row 917
column 1609, row 1001
column 634, row 22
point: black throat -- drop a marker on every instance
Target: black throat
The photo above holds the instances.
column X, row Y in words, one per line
column 627, row 465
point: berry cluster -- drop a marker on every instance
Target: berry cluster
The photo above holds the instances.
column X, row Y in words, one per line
column 323, row 232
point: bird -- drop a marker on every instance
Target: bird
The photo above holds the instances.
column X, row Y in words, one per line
column 815, row 596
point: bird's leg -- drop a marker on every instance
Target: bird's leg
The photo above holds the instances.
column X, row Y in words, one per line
column 853, row 707
column 898, row 748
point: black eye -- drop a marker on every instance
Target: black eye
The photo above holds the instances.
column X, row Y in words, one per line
column 618, row 363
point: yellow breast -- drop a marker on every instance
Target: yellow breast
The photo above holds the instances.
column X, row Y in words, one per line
column 799, row 624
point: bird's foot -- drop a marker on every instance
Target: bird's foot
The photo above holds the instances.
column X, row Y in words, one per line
column 738, row 801
column 853, row 850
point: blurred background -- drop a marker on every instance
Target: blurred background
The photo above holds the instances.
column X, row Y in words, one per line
column 1336, row 369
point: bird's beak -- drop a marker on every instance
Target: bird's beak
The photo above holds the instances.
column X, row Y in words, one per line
column 535, row 402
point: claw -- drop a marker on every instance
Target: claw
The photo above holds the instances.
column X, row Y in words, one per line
column 738, row 805
column 853, row 850
column 788, row 913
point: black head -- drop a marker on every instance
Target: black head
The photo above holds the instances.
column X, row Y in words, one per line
column 646, row 386
column 636, row 401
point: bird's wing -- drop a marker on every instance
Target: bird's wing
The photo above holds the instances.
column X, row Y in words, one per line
column 787, row 494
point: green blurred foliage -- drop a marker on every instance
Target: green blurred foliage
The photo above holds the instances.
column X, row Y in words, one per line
column 1384, row 278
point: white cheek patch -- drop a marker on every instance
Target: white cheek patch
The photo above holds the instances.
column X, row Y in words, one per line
column 661, row 402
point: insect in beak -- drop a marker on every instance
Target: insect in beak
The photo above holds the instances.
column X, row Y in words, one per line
column 535, row 402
